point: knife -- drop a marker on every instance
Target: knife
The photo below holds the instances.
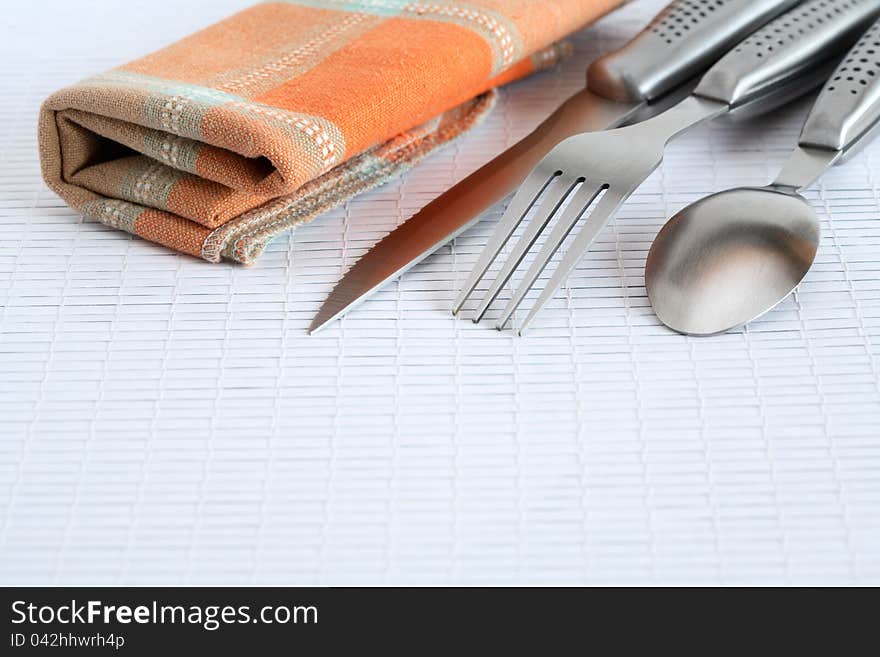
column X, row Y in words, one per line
column 641, row 79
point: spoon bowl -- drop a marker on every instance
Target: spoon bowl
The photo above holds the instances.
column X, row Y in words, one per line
column 729, row 258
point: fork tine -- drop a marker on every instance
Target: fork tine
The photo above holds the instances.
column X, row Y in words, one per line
column 582, row 199
column 595, row 222
column 522, row 202
column 551, row 199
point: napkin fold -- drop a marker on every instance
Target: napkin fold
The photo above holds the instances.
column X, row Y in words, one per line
column 216, row 144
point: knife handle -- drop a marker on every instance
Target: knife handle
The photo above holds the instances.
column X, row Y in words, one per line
column 848, row 107
column 682, row 41
column 774, row 61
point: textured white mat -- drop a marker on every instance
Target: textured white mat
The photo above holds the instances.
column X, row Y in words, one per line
column 167, row 420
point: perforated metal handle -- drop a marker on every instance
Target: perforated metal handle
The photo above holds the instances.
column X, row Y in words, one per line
column 685, row 39
column 810, row 35
column 849, row 105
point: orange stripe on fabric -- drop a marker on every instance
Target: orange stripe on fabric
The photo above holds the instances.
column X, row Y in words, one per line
column 238, row 172
column 172, row 231
column 519, row 70
column 541, row 23
column 234, row 42
column 209, row 203
column 403, row 73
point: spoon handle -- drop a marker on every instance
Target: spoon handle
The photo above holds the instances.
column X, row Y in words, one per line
column 782, row 59
column 849, row 105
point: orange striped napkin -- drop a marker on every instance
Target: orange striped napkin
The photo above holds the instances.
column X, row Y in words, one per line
column 217, row 143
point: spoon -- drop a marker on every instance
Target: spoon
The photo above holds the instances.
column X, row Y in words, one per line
column 731, row 257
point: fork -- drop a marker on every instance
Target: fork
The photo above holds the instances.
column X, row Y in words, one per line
column 785, row 59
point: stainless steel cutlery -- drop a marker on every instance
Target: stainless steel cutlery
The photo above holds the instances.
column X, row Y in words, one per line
column 649, row 74
column 785, row 58
column 732, row 256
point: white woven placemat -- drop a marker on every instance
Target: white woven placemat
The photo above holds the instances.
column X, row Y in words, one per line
column 167, row 420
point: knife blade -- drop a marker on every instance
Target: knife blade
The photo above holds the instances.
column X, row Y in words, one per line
column 642, row 79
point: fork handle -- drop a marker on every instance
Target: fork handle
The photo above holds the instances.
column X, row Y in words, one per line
column 848, row 107
column 775, row 58
column 682, row 41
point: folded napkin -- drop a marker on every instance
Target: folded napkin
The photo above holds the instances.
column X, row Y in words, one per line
column 215, row 144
